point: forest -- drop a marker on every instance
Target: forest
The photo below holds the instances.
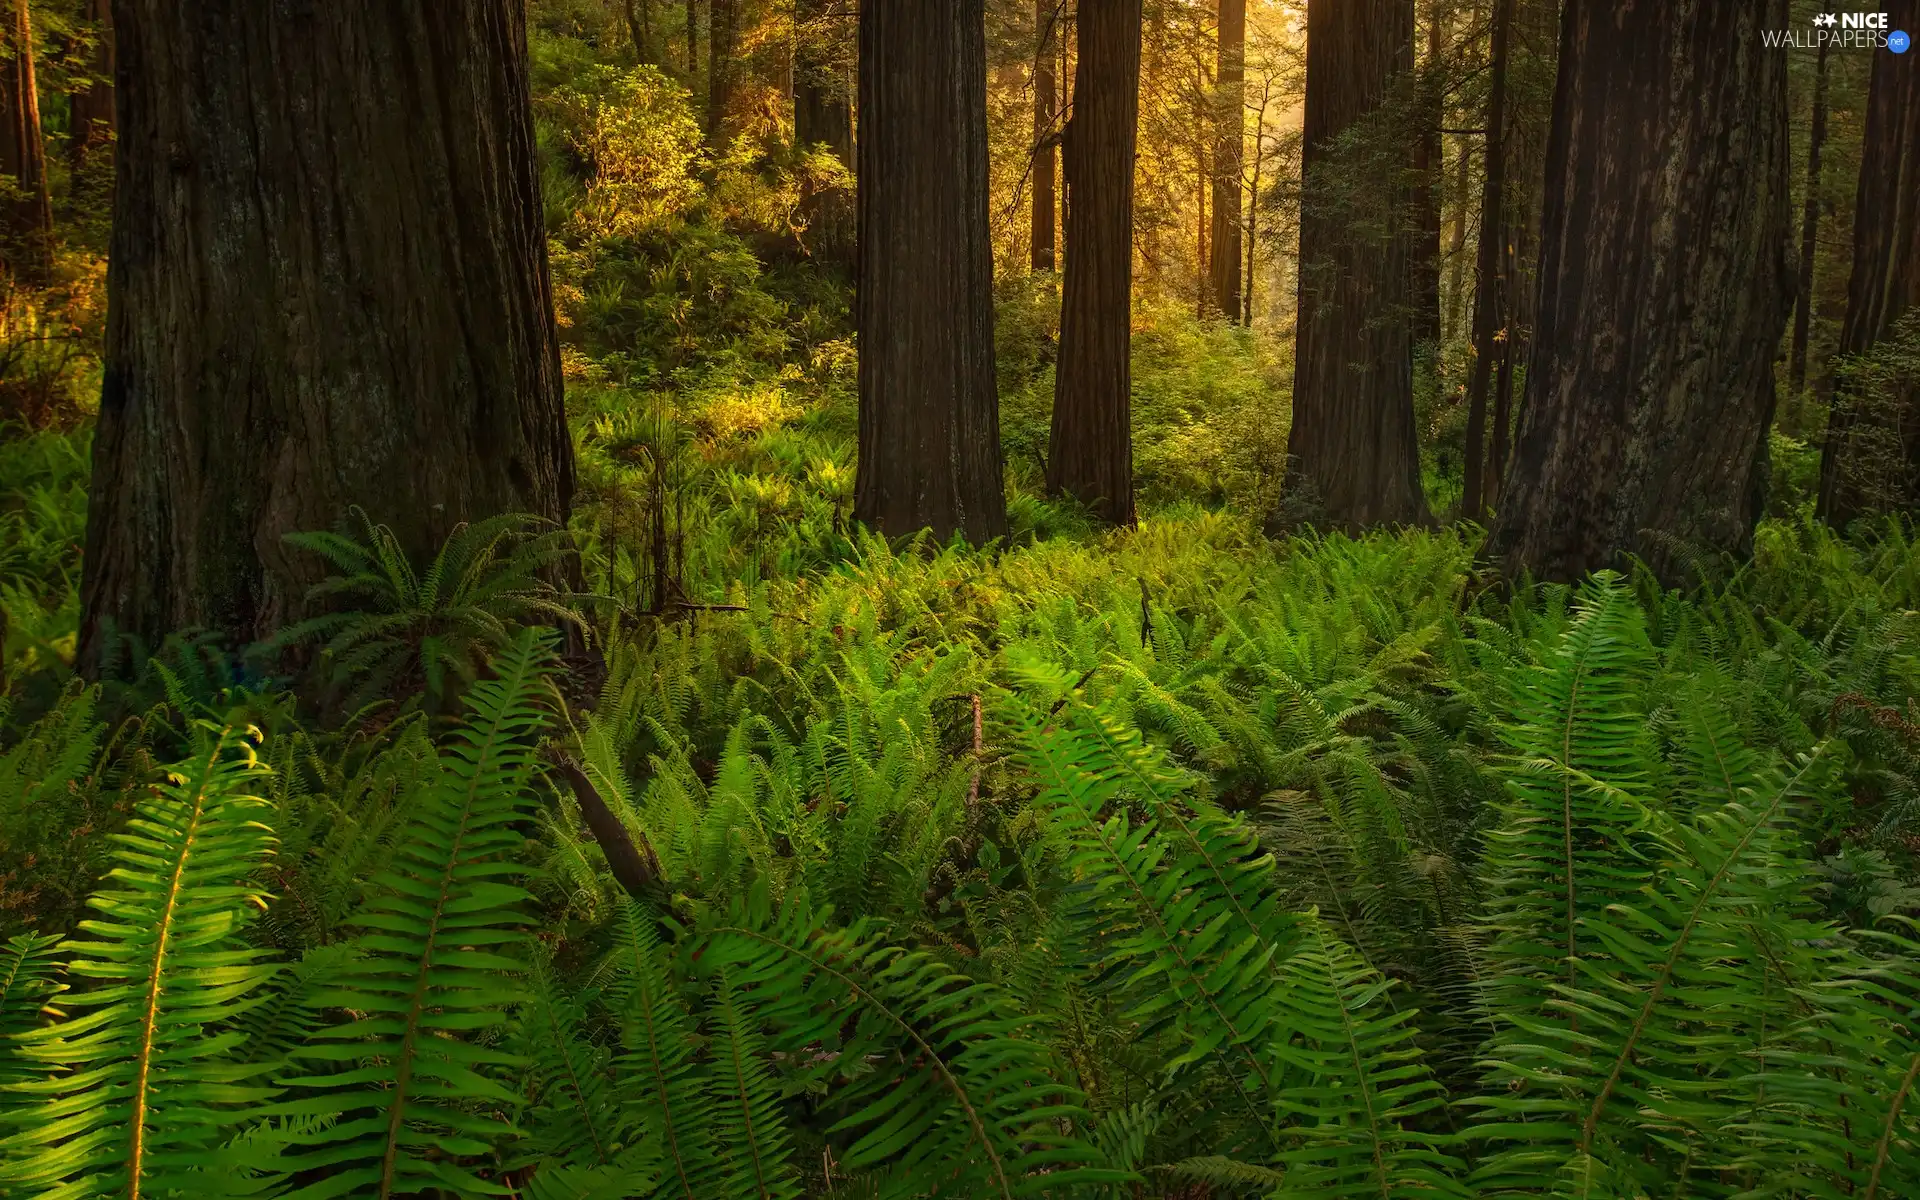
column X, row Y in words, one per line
column 910, row 599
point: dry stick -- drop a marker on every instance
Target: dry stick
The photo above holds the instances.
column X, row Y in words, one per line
column 973, row 789
column 635, row 868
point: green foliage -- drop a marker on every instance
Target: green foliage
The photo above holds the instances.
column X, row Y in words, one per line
column 430, row 628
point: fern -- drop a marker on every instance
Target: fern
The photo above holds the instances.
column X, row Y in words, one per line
column 437, row 964
column 133, row 1083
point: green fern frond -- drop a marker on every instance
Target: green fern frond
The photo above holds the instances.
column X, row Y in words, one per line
column 133, row 1084
column 437, row 963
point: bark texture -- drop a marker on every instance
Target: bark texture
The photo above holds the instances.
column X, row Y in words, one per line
column 929, row 410
column 26, row 216
column 1490, row 290
column 1872, row 451
column 1229, row 153
column 1353, row 459
column 328, row 287
column 1046, row 153
column 90, row 109
column 1090, row 451
column 1665, row 284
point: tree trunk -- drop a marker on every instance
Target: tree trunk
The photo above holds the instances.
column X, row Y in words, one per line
column 929, row 411
column 1490, row 288
column 823, row 116
column 1881, row 289
column 1809, row 226
column 1457, row 244
column 693, row 43
column 1665, row 284
column 722, row 37
column 26, row 220
column 1229, row 150
column 1090, row 451
column 90, row 109
column 328, row 287
column 1428, row 169
column 1045, row 151
column 1353, row 459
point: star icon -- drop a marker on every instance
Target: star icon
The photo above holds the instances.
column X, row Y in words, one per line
column 1827, row 19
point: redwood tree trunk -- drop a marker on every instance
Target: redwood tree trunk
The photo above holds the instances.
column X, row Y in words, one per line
column 90, row 110
column 1665, row 284
column 1353, row 460
column 1809, row 225
column 929, row 412
column 26, row 222
column 1090, row 452
column 328, row 287
column 722, row 36
column 1490, row 290
column 1881, row 289
column 1229, row 149
column 1428, row 173
column 1045, row 150
column 823, row 115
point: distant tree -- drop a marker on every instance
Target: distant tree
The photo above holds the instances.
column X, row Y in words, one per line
column 1490, row 289
column 90, row 106
column 723, row 67
column 1229, row 152
column 1046, row 152
column 26, row 209
column 1353, row 457
column 823, row 116
column 1429, row 162
column 929, row 408
column 328, row 287
column 1090, row 451
column 1664, row 286
column 1809, row 224
column 1873, row 442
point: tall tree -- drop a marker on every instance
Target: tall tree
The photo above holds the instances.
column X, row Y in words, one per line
column 1665, row 284
column 1046, row 19
column 1229, row 150
column 26, row 216
column 90, row 106
column 1490, row 290
column 1090, row 451
column 1429, row 164
column 1809, row 224
column 823, row 116
column 929, row 412
column 328, row 287
column 723, row 37
column 1857, row 462
column 1353, row 459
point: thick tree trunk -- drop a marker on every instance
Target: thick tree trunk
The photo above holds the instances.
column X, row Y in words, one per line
column 1428, row 169
column 328, row 287
column 90, row 109
column 1353, row 460
column 1229, row 150
column 823, row 116
column 722, row 37
column 1809, row 226
column 26, row 221
column 1872, row 448
column 929, row 412
column 1090, row 452
column 1490, row 290
column 1665, row 284
column 1046, row 153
